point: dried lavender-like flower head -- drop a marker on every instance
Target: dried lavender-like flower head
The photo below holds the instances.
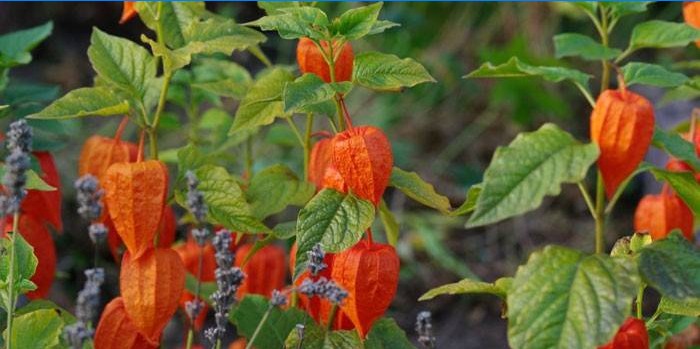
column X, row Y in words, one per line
column 76, row 334
column 193, row 308
column 195, row 198
column 97, row 232
column 316, row 256
column 323, row 288
column 200, row 235
column 277, row 299
column 228, row 280
column 424, row 328
column 89, row 197
column 19, row 136
column 85, row 309
column 15, row 179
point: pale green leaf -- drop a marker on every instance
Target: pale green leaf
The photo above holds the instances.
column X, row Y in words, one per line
column 25, row 262
column 276, row 187
column 176, row 18
column 385, row 72
column 86, row 101
column 381, row 25
column 335, row 220
column 531, row 167
column 515, row 68
column 218, row 35
column 672, row 267
column 223, row 78
column 308, row 91
column 466, row 286
column 38, row 329
column 652, row 75
column 563, row 298
column 386, row 334
column 317, row 337
column 121, row 63
column 417, row 189
column 623, row 8
column 684, row 184
column 662, row 34
column 391, row 226
column 271, row 7
column 357, row 22
column 470, row 201
column 263, row 102
column 578, row 45
column 295, row 22
column 686, row 307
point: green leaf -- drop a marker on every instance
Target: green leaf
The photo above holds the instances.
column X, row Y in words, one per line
column 531, row 167
column 263, row 102
column 676, row 146
column 686, row 307
column 247, row 315
column 317, row 337
column 295, row 22
column 86, row 101
column 25, row 265
column 662, row 34
column 357, row 22
column 391, row 226
column 652, row 75
column 307, row 91
column 15, row 46
column 417, row 189
column 385, row 72
column 121, row 63
column 223, row 78
column 684, row 184
column 587, row 6
column 335, row 220
column 672, row 267
column 176, row 18
column 624, row 8
column 386, row 334
column 40, row 304
column 285, row 230
column 276, row 187
column 563, row 298
column 206, row 289
column 469, row 204
column 225, row 201
column 34, row 182
column 467, row 286
column 578, row 45
column 271, row 7
column 515, row 68
column 38, row 329
column 381, row 25
column 218, row 35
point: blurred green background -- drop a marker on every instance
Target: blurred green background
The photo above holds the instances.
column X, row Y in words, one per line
column 446, row 132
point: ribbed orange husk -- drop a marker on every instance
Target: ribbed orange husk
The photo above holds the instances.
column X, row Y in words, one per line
column 659, row 214
column 46, row 205
column 311, row 60
column 691, row 13
column 99, row 153
column 116, row 331
column 264, row 272
column 370, row 274
column 135, row 196
column 36, row 235
column 238, row 344
column 622, row 125
column 631, row 335
column 128, row 12
column 319, row 160
column 167, row 230
column 151, row 286
column 363, row 158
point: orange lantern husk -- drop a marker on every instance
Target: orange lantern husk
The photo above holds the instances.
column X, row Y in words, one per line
column 622, row 125
column 691, row 14
column 135, row 196
column 151, row 287
column 659, row 214
column 310, row 60
column 631, row 335
column 116, row 331
column 370, row 274
column 265, row 271
column 128, row 12
column 99, row 153
column 362, row 156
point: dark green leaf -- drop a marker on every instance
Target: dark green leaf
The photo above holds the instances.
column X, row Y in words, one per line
column 271, row 7
column 218, row 35
column 578, row 45
column 563, row 298
column 15, row 46
column 357, row 22
column 317, row 337
column 223, row 78
column 206, row 289
column 620, row 9
column 295, row 22
column 386, row 334
column 676, row 146
column 335, row 220
column 651, row 74
column 467, row 286
column 247, row 315
column 276, row 187
column 417, row 189
column 391, row 226
column 686, row 307
column 531, row 167
column 86, row 101
column 672, row 267
column 385, row 72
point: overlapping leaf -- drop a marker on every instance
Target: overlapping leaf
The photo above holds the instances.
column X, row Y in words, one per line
column 386, row 72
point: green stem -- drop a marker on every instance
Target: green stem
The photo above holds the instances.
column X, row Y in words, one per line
column 260, row 55
column 218, row 344
column 296, row 131
column 307, row 143
column 11, row 280
column 587, row 198
column 257, row 329
column 249, row 157
column 599, row 215
column 331, row 317
column 152, row 129
column 605, row 79
column 640, row 301
column 190, row 338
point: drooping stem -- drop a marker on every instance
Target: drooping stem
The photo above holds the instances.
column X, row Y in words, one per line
column 11, row 279
column 640, row 301
column 599, row 215
column 587, row 198
column 370, row 240
column 120, row 129
column 257, row 329
column 331, row 317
